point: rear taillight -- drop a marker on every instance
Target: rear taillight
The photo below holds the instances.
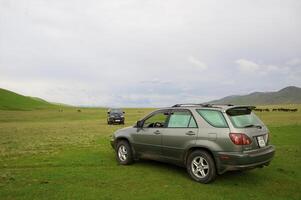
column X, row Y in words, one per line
column 240, row 139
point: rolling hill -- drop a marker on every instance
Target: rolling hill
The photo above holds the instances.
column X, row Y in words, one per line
column 13, row 101
column 287, row 95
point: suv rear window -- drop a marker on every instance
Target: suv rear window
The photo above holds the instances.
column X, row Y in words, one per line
column 214, row 118
column 245, row 120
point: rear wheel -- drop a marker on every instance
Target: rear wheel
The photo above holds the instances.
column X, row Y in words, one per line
column 124, row 153
column 201, row 167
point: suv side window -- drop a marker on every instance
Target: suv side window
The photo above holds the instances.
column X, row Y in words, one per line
column 214, row 118
column 157, row 120
column 181, row 119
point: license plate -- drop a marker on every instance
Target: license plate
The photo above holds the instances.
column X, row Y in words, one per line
column 117, row 120
column 261, row 141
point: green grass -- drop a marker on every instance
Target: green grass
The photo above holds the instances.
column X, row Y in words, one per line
column 13, row 101
column 46, row 154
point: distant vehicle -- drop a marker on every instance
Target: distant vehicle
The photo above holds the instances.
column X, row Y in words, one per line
column 115, row 116
column 206, row 139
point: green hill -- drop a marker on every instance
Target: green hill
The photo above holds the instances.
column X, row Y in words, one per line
column 13, row 101
column 288, row 95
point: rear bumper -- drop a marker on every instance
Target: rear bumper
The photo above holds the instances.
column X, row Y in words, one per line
column 228, row 161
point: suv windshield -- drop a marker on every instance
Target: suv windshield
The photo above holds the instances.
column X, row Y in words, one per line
column 116, row 111
column 245, row 120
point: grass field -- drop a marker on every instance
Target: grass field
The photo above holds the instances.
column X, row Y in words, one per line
column 13, row 101
column 46, row 154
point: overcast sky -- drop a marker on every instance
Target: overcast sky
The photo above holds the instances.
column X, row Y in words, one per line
column 143, row 53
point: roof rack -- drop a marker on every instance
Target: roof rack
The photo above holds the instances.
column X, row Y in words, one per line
column 226, row 104
column 200, row 104
column 186, row 104
column 191, row 104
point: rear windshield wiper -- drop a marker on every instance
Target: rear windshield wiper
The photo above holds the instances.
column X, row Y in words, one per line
column 253, row 125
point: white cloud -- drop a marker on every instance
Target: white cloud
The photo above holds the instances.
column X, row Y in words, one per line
column 156, row 81
column 199, row 64
column 247, row 65
column 294, row 62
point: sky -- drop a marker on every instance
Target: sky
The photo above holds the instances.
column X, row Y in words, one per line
column 150, row 53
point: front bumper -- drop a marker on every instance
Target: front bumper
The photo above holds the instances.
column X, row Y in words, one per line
column 228, row 161
column 116, row 120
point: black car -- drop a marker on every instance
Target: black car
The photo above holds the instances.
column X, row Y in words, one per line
column 115, row 115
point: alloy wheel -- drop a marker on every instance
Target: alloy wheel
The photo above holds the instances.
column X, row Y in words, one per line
column 200, row 167
column 122, row 153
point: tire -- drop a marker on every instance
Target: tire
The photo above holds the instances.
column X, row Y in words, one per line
column 124, row 153
column 201, row 167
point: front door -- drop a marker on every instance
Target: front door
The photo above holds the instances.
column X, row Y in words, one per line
column 148, row 139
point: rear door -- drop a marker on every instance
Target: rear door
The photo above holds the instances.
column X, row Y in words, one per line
column 181, row 130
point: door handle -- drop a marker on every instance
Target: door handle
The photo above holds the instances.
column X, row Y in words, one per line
column 157, row 132
column 190, row 133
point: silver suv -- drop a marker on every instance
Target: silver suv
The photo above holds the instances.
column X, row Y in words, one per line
column 206, row 139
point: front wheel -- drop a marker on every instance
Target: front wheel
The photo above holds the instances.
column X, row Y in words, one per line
column 201, row 167
column 124, row 153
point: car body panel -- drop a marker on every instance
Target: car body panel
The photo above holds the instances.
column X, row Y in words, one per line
column 147, row 142
column 175, row 141
column 228, row 161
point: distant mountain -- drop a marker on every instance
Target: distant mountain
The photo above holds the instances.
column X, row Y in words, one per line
column 13, row 101
column 288, row 95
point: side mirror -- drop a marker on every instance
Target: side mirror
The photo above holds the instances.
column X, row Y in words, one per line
column 139, row 124
column 108, row 112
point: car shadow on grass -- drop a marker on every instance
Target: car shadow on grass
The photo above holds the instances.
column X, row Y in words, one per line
column 161, row 166
column 228, row 177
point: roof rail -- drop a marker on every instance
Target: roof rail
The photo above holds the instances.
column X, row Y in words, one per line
column 200, row 104
column 186, row 104
column 225, row 104
column 191, row 104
